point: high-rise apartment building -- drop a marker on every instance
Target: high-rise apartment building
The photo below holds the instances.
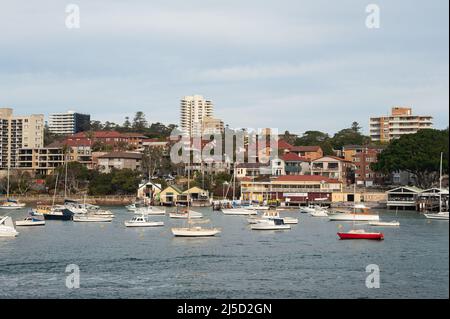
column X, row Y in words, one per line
column 194, row 109
column 18, row 132
column 212, row 125
column 400, row 122
column 69, row 123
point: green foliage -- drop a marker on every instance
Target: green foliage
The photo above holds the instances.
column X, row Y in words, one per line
column 418, row 154
column 313, row 138
column 118, row 182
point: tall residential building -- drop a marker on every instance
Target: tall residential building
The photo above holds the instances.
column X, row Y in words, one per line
column 18, row 132
column 193, row 110
column 69, row 123
column 212, row 125
column 400, row 122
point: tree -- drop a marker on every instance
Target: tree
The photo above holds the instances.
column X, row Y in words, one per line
column 355, row 127
column 288, row 137
column 139, row 122
column 418, row 154
column 349, row 136
column 127, row 123
column 313, row 138
column 96, row 126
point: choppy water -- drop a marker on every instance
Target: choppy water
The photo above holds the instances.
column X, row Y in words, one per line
column 306, row 262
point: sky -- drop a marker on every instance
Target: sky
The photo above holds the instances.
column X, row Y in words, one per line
column 288, row 64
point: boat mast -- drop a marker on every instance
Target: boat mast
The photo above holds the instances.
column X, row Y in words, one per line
column 54, row 193
column 188, row 197
column 440, row 186
column 65, row 178
column 234, row 181
column 9, row 170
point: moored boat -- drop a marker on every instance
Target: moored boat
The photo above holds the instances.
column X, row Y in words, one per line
column 7, row 228
column 270, row 224
column 31, row 220
column 11, row 204
column 360, row 213
column 142, row 221
column 184, row 214
column 91, row 218
column 385, row 224
column 360, row 234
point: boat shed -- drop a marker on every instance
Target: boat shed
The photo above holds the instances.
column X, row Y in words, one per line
column 403, row 197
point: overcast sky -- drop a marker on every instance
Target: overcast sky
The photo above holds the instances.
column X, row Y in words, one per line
column 288, row 64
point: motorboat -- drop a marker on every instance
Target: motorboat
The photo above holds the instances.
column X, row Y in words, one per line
column 360, row 234
column 270, row 224
column 142, row 221
column 91, row 218
column 7, row 228
column 150, row 210
column 270, row 215
column 439, row 216
column 85, row 208
column 195, row 231
column 31, row 220
column 12, row 204
column 319, row 213
column 385, row 224
column 308, row 209
column 184, row 214
column 360, row 213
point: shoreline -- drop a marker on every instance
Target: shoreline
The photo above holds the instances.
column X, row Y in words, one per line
column 94, row 200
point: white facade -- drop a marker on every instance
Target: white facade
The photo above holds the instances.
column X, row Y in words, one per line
column 193, row 110
column 67, row 123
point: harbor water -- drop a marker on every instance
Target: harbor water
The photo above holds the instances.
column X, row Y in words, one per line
column 308, row 261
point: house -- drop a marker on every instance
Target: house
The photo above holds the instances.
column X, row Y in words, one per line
column 296, row 165
column 310, row 152
column 169, row 196
column 198, row 196
column 148, row 190
column 249, row 169
column 403, row 197
column 119, row 160
column 111, row 138
column 333, row 167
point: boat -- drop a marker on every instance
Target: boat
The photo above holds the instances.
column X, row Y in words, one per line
column 91, row 218
column 270, row 215
column 441, row 215
column 31, row 220
column 360, row 213
column 360, row 234
column 9, row 203
column 7, row 228
column 58, row 213
column 308, row 209
column 150, row 210
column 184, row 214
column 190, row 230
column 236, row 211
column 319, row 213
column 270, row 224
column 12, row 204
column 385, row 224
column 142, row 221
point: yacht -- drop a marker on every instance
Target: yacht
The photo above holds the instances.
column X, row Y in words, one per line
column 12, row 204
column 271, row 215
column 57, row 213
column 319, row 212
column 360, row 234
column 142, row 221
column 150, row 210
column 184, row 214
column 239, row 211
column 360, row 213
column 440, row 215
column 270, row 224
column 385, row 224
column 91, row 218
column 7, row 228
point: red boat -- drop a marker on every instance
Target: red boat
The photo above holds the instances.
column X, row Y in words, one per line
column 360, row 234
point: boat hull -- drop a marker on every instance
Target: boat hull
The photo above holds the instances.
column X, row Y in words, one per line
column 269, row 227
column 369, row 236
column 91, row 219
column 195, row 232
column 239, row 212
column 30, row 223
column 438, row 216
column 8, row 233
column 147, row 224
column 354, row 217
column 385, row 224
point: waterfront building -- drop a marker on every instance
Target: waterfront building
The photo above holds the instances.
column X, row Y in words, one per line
column 291, row 189
column 169, row 195
column 69, row 123
column 403, row 197
column 119, row 160
column 40, row 161
column 18, row 132
column 193, row 110
column 401, row 121
column 333, row 167
column 149, row 191
column 211, row 125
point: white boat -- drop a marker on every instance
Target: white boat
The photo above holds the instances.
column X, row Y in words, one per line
column 256, row 207
column 441, row 215
column 150, row 210
column 30, row 221
column 91, row 218
column 184, row 214
column 308, row 209
column 385, row 224
column 11, row 204
column 7, row 228
column 360, row 213
column 319, row 213
column 142, row 221
column 239, row 211
column 270, row 215
column 196, row 231
column 270, row 224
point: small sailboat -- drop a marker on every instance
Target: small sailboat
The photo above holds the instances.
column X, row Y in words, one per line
column 322, row 212
column 380, row 223
column 7, row 228
column 31, row 220
column 150, row 210
column 190, row 230
column 142, row 221
column 56, row 212
column 440, row 215
column 270, row 215
column 184, row 214
column 9, row 203
column 91, row 218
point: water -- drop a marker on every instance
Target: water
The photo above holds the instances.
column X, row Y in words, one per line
column 306, row 262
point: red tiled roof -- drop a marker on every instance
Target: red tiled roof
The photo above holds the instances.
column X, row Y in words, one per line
column 282, row 144
column 292, row 157
column 105, row 134
column 306, row 178
column 305, row 148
